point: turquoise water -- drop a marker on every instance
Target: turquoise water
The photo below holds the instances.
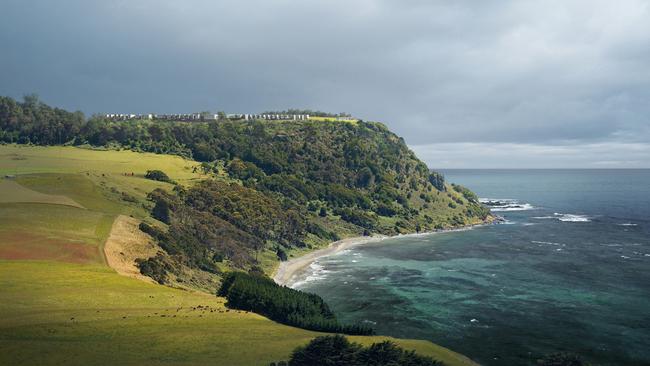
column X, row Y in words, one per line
column 568, row 271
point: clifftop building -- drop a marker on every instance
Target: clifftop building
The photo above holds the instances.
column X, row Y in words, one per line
column 198, row 117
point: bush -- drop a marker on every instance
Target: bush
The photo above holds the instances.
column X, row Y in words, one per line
column 161, row 211
column 154, row 267
column 385, row 210
column 357, row 217
column 282, row 255
column 469, row 195
column 158, row 175
column 336, row 350
column 328, row 350
column 437, row 180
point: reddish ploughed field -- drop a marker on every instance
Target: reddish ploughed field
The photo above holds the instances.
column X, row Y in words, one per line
column 22, row 245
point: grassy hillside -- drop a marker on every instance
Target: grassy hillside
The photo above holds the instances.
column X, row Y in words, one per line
column 56, row 313
column 61, row 304
column 270, row 189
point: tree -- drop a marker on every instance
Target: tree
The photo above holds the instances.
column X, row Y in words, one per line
column 158, row 175
column 161, row 211
column 282, row 255
column 437, row 180
column 336, row 350
column 365, row 178
column 328, row 350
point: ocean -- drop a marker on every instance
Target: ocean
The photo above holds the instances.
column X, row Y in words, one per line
column 568, row 271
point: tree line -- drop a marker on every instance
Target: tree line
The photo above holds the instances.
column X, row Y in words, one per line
column 258, row 293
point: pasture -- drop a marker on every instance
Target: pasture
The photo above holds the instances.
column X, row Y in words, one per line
column 57, row 313
column 61, row 304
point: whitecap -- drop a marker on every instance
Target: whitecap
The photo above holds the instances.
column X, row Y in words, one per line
column 316, row 273
column 572, row 217
column 627, row 224
column 548, row 243
column 474, row 320
column 505, row 204
column 625, row 257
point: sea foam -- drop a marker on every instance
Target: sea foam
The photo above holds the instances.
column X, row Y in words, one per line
column 506, row 204
column 572, row 217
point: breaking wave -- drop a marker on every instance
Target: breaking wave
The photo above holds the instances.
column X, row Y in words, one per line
column 506, row 204
column 564, row 217
column 316, row 272
column 572, row 217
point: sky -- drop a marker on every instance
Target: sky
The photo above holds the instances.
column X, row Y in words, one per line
column 468, row 84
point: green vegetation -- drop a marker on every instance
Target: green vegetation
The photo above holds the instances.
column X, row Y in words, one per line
column 248, row 194
column 12, row 192
column 268, row 189
column 361, row 166
column 158, row 175
column 338, row 351
column 60, row 304
column 258, row 293
column 58, row 313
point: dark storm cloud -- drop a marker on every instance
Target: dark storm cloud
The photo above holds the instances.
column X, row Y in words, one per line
column 488, row 74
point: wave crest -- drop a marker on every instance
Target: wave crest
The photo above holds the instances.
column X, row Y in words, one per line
column 506, row 204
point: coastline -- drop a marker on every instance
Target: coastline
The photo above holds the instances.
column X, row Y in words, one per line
column 288, row 272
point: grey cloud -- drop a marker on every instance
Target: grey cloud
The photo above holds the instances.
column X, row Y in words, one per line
column 609, row 155
column 499, row 72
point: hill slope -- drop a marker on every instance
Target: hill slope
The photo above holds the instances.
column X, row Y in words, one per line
column 273, row 188
column 60, row 304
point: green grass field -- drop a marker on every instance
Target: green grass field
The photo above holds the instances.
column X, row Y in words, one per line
column 60, row 303
column 57, row 313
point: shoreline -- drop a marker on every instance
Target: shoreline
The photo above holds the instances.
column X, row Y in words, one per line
column 288, row 271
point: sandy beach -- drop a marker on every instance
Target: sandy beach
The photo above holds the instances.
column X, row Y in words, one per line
column 289, row 270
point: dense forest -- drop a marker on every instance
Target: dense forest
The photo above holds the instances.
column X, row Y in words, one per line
column 275, row 185
column 258, row 293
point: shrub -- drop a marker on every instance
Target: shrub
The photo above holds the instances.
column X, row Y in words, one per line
column 385, row 210
column 327, row 350
column 437, row 180
column 357, row 217
column 282, row 255
column 336, row 350
column 161, row 211
column 154, row 267
column 158, row 175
